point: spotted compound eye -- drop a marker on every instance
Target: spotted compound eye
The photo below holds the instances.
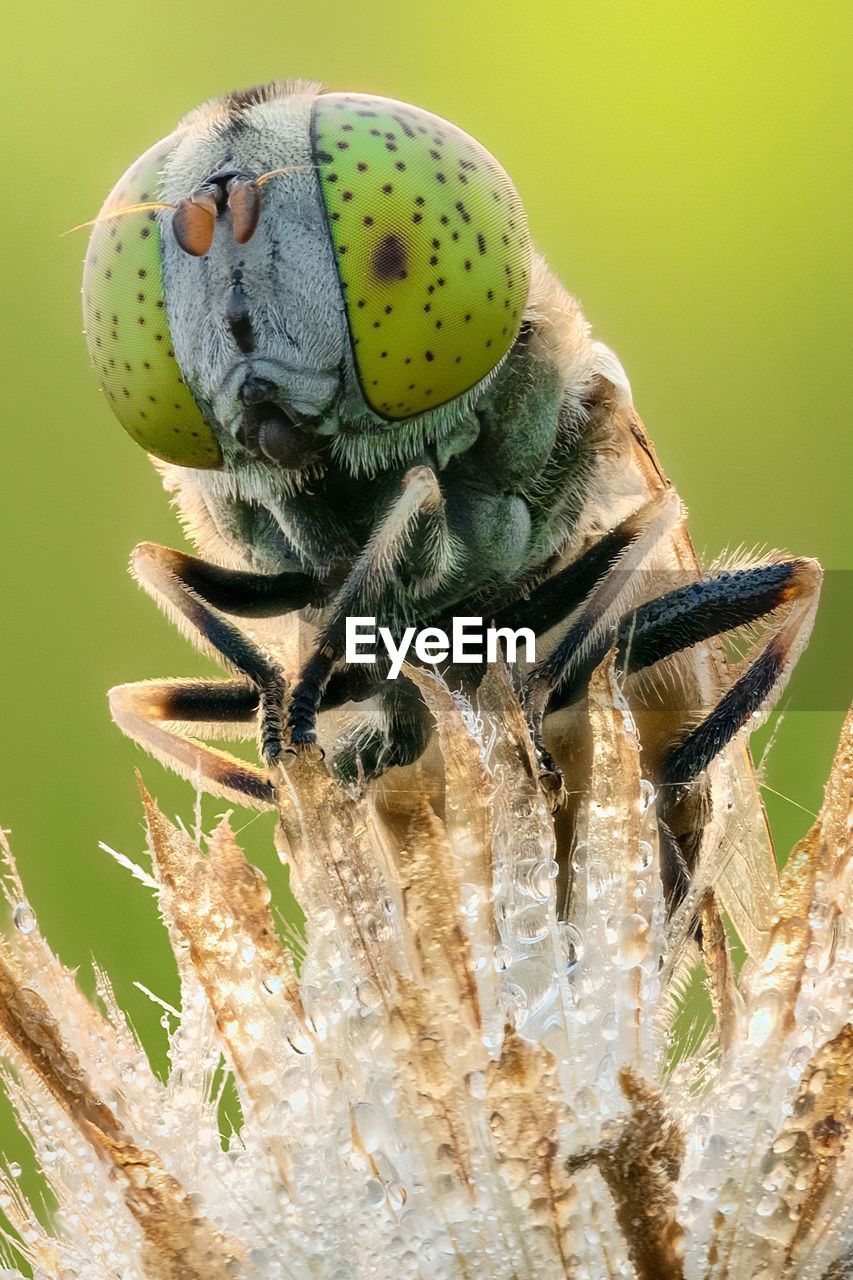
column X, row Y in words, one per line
column 431, row 246
column 127, row 324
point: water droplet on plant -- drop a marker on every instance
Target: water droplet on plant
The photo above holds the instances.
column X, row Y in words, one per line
column 571, row 946
column 513, row 1001
column 535, row 877
column 24, row 918
column 632, row 943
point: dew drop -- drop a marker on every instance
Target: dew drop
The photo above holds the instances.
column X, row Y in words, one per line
column 24, row 918
column 571, row 946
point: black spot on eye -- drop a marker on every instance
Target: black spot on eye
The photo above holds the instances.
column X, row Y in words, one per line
column 455, row 235
column 342, row 146
column 405, row 126
column 140, row 319
column 481, row 242
column 408, row 360
column 468, row 317
column 368, row 221
column 390, row 259
column 160, row 304
column 440, row 177
column 417, row 217
column 108, row 275
column 346, row 195
column 436, row 155
column 427, row 306
column 324, row 157
column 145, row 233
column 438, row 324
column 361, row 302
column 331, row 177
column 441, row 282
column 347, row 128
column 140, row 297
column 419, row 200
column 376, row 324
column 383, row 355
column 388, row 188
column 465, row 215
column 428, row 356
column 490, row 295
column 375, row 133
column 390, row 146
column 400, row 165
column 361, row 166
column 433, row 260
column 336, row 217
column 142, row 273
column 467, row 264
column 388, row 310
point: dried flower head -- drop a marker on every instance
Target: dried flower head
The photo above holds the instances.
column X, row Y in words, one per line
column 449, row 1081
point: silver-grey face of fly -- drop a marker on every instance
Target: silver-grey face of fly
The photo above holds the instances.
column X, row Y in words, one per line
column 266, row 313
column 322, row 313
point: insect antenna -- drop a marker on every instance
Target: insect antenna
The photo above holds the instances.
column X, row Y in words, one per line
column 122, row 212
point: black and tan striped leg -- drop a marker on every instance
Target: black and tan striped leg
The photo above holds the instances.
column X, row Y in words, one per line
column 163, row 716
column 697, row 612
column 166, row 717
column 677, row 621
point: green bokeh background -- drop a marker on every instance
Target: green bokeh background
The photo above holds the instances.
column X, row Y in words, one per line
column 686, row 168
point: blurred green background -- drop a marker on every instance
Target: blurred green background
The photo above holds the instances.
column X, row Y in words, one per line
column 686, row 168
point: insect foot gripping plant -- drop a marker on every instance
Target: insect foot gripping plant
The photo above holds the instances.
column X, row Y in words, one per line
column 451, row 1081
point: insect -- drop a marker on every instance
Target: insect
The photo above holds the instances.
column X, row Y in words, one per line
column 321, row 314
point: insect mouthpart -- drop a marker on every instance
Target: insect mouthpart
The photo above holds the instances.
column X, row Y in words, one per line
column 281, row 433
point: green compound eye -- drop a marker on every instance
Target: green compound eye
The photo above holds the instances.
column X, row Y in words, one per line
column 431, row 245
column 127, row 324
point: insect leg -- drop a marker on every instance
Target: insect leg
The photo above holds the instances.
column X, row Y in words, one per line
column 417, row 517
column 795, row 583
column 596, row 618
column 162, row 715
column 677, row 621
column 193, row 592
